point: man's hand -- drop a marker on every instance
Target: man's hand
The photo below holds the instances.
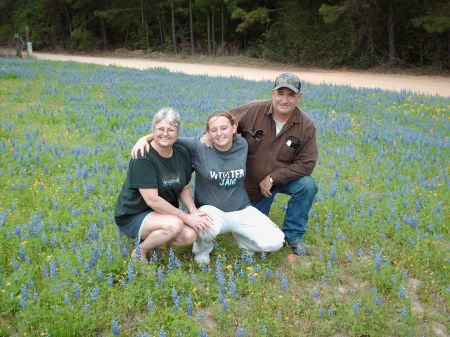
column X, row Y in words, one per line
column 265, row 185
column 206, row 140
column 199, row 221
column 141, row 145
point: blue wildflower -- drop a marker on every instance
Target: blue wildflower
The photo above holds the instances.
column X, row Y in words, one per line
column 115, row 326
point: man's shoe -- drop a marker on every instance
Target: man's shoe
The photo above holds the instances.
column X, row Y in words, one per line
column 300, row 248
column 202, row 258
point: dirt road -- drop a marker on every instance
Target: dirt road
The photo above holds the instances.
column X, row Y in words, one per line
column 428, row 85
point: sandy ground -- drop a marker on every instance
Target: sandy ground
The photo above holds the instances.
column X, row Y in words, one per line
column 428, row 85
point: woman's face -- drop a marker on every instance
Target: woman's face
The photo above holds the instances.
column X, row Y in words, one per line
column 165, row 134
column 221, row 132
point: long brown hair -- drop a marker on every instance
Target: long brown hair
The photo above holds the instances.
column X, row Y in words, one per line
column 222, row 113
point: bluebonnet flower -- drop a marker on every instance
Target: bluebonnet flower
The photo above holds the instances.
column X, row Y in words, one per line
column 201, row 317
column 149, row 304
column 401, row 292
column 403, row 312
column 94, row 293
column 224, row 302
column 109, row 254
column 267, row 273
column 378, row 301
column 202, row 333
column 378, row 261
column 393, row 280
column 162, row 332
column 86, row 306
column 231, row 285
column 264, row 330
column 240, row 332
column 159, row 276
column 356, row 306
column 66, row 298
column 173, row 261
column 332, row 312
column 115, row 326
column 22, row 303
column 52, row 272
column 316, row 293
column 76, row 291
column 189, row 307
column 252, row 276
column 284, row 282
column 321, row 312
column 176, row 300
column 131, row 269
column 35, row 296
column 329, row 266
column 349, row 256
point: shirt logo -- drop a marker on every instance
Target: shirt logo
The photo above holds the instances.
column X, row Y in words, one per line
column 170, row 180
column 226, row 178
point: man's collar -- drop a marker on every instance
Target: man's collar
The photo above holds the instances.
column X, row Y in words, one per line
column 295, row 118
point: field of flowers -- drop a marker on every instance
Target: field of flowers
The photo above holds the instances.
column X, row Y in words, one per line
column 378, row 227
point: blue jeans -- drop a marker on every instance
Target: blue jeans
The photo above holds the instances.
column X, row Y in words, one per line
column 302, row 192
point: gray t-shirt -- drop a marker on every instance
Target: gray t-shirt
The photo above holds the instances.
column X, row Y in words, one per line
column 219, row 176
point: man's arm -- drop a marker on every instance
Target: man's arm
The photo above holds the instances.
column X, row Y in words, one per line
column 142, row 145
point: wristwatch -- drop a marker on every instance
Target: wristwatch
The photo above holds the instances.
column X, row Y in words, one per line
column 270, row 179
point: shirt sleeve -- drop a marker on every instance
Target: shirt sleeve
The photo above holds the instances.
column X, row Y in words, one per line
column 142, row 174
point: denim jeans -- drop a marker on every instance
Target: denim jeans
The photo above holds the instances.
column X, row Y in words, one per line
column 302, row 192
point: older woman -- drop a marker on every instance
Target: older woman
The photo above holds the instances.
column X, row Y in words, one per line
column 147, row 207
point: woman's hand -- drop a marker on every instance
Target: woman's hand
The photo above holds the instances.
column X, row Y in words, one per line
column 141, row 145
column 199, row 221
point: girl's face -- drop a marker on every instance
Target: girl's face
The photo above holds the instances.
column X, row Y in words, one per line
column 221, row 131
column 165, row 134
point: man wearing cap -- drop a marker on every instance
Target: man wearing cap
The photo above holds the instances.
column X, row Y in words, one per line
column 282, row 153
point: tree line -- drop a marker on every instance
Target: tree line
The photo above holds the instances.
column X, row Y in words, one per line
column 331, row 33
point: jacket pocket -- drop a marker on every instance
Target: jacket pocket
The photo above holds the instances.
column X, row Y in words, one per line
column 254, row 138
column 286, row 153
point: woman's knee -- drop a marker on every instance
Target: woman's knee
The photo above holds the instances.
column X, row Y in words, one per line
column 173, row 224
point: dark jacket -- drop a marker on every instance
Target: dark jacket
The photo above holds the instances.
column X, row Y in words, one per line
column 286, row 157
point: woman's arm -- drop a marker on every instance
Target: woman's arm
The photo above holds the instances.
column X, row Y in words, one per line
column 197, row 220
column 203, row 220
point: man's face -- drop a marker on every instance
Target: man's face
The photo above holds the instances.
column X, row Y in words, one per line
column 284, row 101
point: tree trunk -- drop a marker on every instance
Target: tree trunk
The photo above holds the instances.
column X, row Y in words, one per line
column 161, row 31
column 208, row 28
column 173, row 28
column 212, row 32
column 191, row 28
column 145, row 26
column 223, row 24
column 391, row 32
column 103, row 29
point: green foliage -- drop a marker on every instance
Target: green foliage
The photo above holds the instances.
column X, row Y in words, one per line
column 432, row 24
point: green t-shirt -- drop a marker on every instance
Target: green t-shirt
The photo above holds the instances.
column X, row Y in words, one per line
column 168, row 175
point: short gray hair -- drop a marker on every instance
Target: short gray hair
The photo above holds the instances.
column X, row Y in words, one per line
column 167, row 114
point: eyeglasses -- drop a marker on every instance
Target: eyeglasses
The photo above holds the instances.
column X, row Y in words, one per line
column 170, row 131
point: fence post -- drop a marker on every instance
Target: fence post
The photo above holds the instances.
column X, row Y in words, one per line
column 18, row 44
column 28, row 42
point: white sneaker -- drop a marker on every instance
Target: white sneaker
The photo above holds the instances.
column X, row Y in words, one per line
column 248, row 253
column 202, row 258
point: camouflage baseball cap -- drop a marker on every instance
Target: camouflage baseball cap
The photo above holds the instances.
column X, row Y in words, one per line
column 288, row 80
